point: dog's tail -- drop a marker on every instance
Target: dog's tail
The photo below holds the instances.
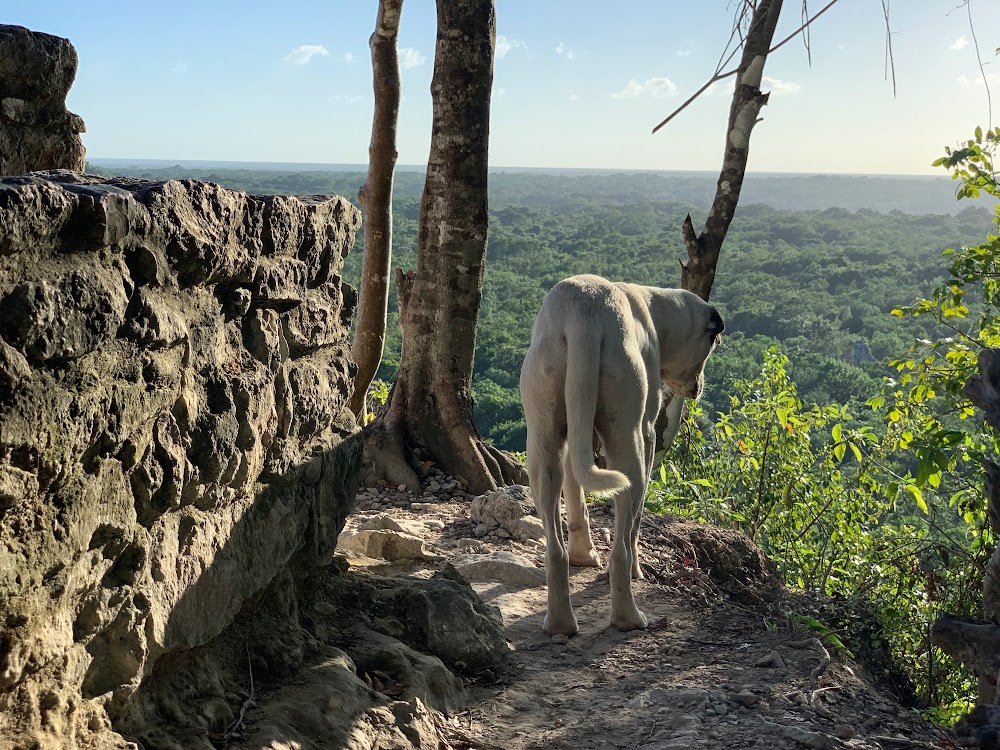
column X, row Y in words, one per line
column 583, row 356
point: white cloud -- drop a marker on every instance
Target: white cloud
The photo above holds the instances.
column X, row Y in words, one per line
column 498, row 93
column 685, row 52
column 965, row 81
column 655, row 87
column 304, row 53
column 574, row 98
column 780, row 87
column 505, row 45
column 410, row 57
column 567, row 53
column 726, row 87
column 349, row 57
column 959, row 43
column 340, row 98
column 179, row 67
column 767, row 83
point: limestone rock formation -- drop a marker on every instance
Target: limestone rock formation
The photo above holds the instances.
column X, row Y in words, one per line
column 175, row 442
column 36, row 130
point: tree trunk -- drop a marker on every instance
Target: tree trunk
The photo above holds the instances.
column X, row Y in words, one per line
column 430, row 405
column 698, row 273
column 977, row 644
column 375, row 197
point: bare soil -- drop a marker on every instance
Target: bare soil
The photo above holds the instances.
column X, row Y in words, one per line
column 722, row 664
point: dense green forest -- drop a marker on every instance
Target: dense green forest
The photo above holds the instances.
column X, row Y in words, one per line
column 820, row 282
column 833, row 429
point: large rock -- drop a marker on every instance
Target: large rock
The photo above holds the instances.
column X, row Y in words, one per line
column 442, row 616
column 166, row 452
column 511, row 509
column 36, row 130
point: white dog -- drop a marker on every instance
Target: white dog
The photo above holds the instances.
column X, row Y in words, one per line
column 599, row 352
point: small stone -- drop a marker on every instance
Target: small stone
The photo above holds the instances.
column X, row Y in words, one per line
column 721, row 708
column 605, row 534
column 401, row 488
column 481, row 530
column 560, row 639
column 434, row 524
column 503, row 533
column 772, row 661
column 844, row 732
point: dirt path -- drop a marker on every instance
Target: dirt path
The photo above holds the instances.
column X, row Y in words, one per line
column 707, row 673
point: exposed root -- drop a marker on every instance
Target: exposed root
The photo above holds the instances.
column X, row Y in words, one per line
column 389, row 458
column 385, row 459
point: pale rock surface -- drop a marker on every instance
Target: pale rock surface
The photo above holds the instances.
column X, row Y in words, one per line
column 509, row 509
column 502, row 566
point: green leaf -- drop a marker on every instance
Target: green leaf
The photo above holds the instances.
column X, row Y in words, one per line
column 856, row 451
column 837, row 431
column 918, row 497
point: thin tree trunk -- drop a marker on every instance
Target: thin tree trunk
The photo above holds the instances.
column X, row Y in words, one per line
column 698, row 273
column 430, row 405
column 375, row 197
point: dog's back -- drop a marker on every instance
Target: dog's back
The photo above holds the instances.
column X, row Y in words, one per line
column 560, row 378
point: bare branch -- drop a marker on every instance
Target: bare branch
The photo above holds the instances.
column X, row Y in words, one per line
column 890, row 61
column 695, row 95
column 722, row 76
column 802, row 28
column 806, row 34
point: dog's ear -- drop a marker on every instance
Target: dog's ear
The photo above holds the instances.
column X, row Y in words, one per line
column 715, row 324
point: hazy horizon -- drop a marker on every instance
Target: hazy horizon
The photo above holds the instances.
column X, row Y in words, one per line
column 110, row 161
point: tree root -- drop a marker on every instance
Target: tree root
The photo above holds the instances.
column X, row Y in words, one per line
column 388, row 456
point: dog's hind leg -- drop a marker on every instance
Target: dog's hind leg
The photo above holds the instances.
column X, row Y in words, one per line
column 627, row 457
column 581, row 546
column 545, row 475
column 650, row 448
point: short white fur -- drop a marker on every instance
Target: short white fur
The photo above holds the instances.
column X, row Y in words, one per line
column 601, row 353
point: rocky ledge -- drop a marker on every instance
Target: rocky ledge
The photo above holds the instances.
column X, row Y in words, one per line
column 175, row 442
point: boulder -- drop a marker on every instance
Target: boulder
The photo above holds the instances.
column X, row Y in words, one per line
column 165, row 455
column 36, row 130
column 502, row 566
column 509, row 508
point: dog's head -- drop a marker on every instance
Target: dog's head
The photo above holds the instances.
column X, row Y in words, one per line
column 697, row 330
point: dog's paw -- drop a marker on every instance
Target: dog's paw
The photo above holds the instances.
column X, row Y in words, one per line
column 588, row 559
column 636, row 621
column 637, row 574
column 553, row 626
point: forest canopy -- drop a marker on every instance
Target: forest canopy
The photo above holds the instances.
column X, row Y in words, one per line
column 806, row 266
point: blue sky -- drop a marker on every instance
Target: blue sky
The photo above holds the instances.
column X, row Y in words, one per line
column 578, row 83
